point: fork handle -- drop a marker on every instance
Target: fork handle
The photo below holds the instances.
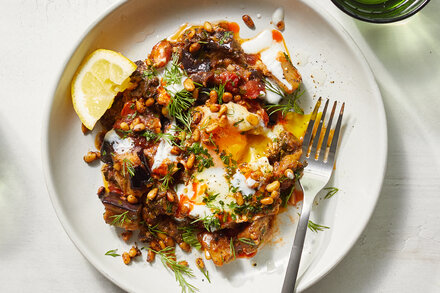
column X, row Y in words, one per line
column 297, row 248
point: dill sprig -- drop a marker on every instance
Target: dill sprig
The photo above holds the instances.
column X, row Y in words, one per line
column 168, row 178
column 120, row 219
column 174, row 73
column 220, row 89
column 290, row 100
column 127, row 166
column 180, row 102
column 180, row 271
column 247, row 241
column 189, row 236
column 231, row 246
column 206, row 274
column 186, row 119
column 316, row 227
column 153, row 230
column 331, row 191
column 112, row 252
column 211, row 222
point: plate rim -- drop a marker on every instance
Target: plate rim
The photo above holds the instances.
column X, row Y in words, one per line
column 47, row 111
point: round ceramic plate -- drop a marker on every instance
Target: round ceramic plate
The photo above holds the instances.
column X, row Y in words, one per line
column 331, row 66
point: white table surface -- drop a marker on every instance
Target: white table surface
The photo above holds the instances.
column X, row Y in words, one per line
column 399, row 251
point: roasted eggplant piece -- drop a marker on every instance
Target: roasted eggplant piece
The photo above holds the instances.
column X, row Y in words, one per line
column 121, row 213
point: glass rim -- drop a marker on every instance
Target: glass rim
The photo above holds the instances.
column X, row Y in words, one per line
column 380, row 20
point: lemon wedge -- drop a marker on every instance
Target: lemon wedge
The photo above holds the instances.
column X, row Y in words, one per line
column 97, row 81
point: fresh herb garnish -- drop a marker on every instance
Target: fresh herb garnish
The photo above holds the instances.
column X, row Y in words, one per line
column 238, row 122
column 247, row 241
column 127, row 166
column 180, row 102
column 231, row 246
column 220, row 89
column 316, row 227
column 112, row 252
column 290, row 100
column 331, row 191
column 120, row 219
column 205, row 273
column 153, row 230
column 150, row 135
column 226, row 36
column 287, row 198
column 173, row 74
column 149, row 73
column 211, row 222
column 186, row 119
column 204, row 159
column 189, row 236
column 168, row 178
column 180, row 271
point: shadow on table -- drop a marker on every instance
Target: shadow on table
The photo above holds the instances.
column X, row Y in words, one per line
column 366, row 265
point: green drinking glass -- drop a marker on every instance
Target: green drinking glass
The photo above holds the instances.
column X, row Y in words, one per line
column 380, row 11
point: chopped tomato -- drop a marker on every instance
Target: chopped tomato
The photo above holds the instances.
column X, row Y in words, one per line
column 129, row 108
column 252, row 89
column 230, row 80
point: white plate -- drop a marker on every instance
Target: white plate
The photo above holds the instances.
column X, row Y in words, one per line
column 324, row 51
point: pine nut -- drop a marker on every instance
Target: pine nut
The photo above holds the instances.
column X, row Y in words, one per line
column 195, row 93
column 267, row 201
column 200, row 263
column 275, row 194
column 162, row 244
column 140, row 106
column 237, row 98
column 149, row 102
column 223, row 109
column 214, row 108
column 208, row 27
column 196, row 135
column 170, row 196
column 213, row 96
column 227, row 97
column 223, row 121
column 239, row 198
column 185, row 246
column 151, row 255
column 90, row 157
column 188, row 84
column 133, row 252
column 175, row 150
column 139, row 127
column 164, row 111
column 126, row 258
column 275, row 185
column 211, row 128
column 183, row 263
column 191, row 33
column 152, row 194
column 197, row 116
column 169, row 242
column 190, row 161
column 132, row 199
column 194, row 47
column 289, row 174
column 124, row 126
column 253, row 119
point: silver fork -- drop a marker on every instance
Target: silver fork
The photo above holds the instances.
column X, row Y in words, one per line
column 320, row 159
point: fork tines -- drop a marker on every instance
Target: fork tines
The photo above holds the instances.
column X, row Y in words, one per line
column 315, row 143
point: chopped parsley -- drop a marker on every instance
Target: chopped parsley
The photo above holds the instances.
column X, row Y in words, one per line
column 204, row 159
